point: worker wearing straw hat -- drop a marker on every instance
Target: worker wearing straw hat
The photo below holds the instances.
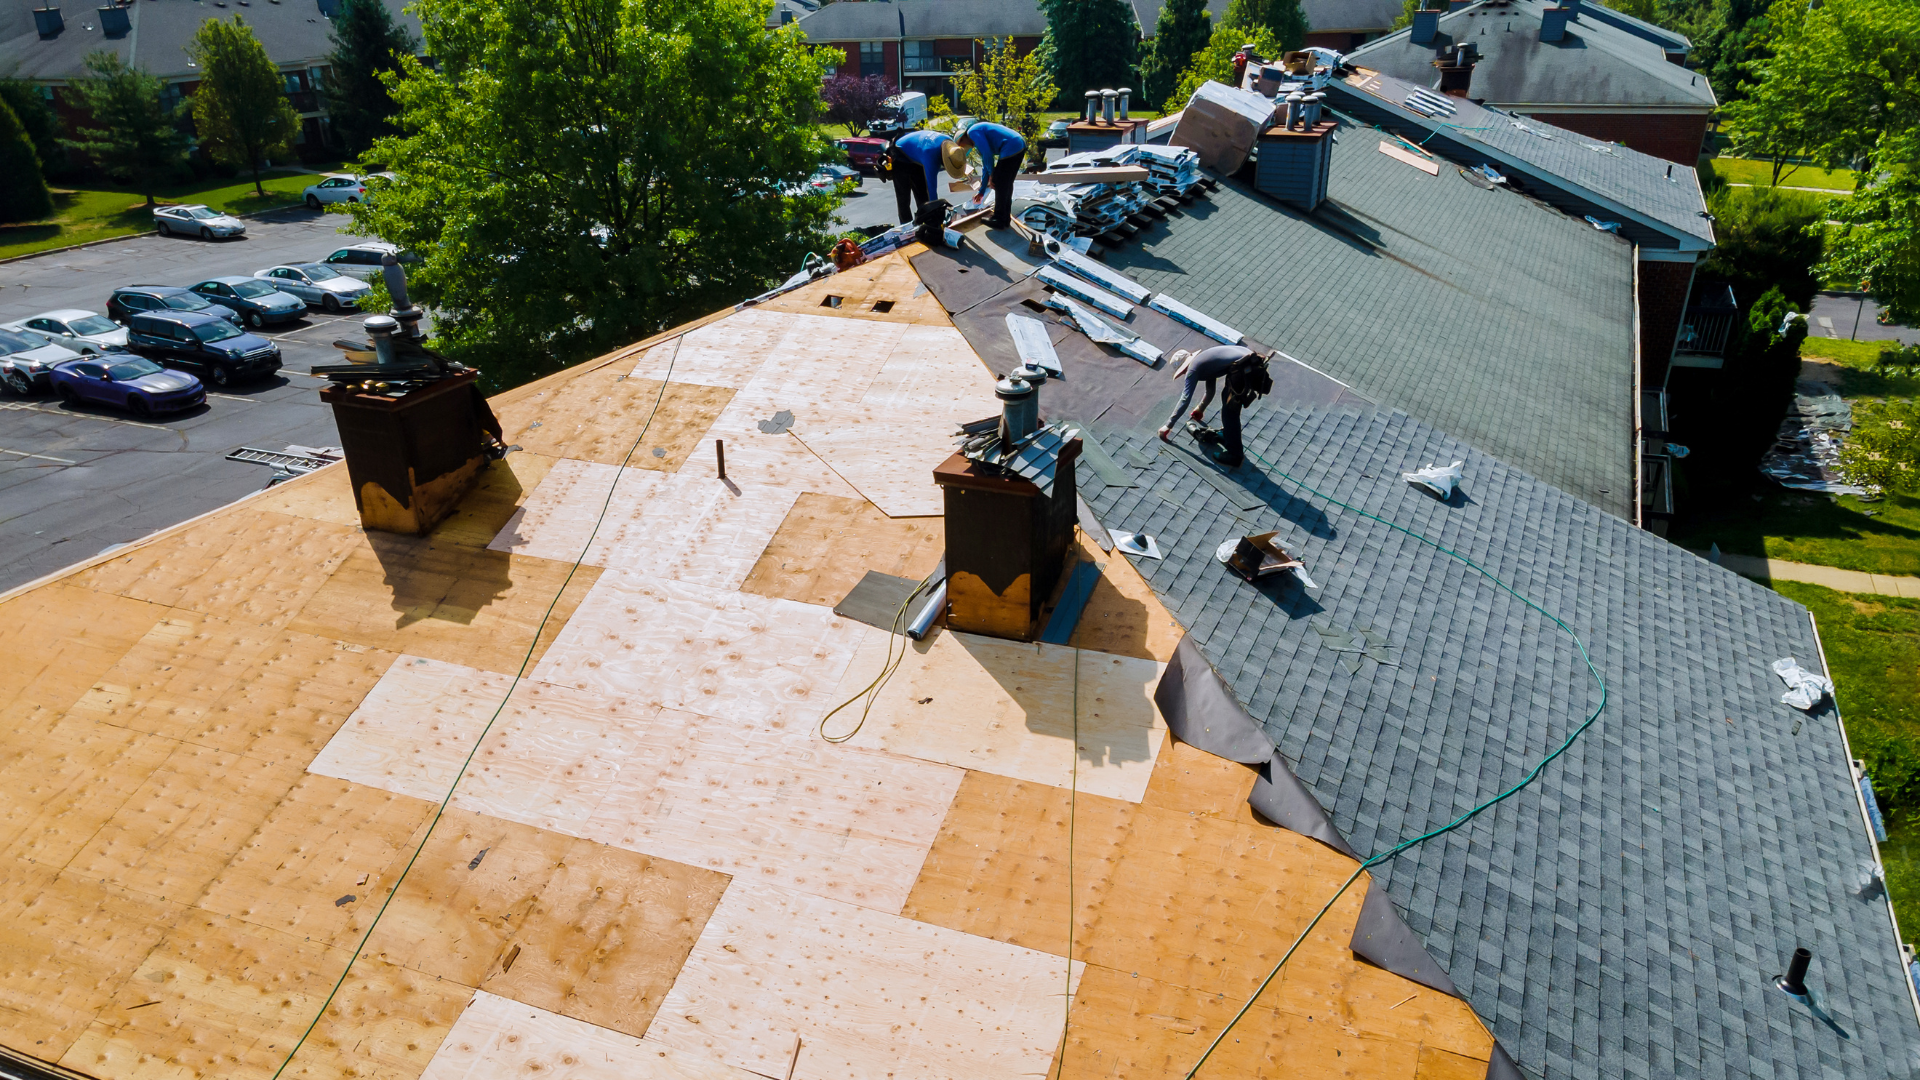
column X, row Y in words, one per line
column 1002, row 149
column 916, row 161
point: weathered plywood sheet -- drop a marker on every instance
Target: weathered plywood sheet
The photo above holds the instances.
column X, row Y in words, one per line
column 1008, row 708
column 933, row 369
column 61, row 787
column 415, row 729
column 59, row 640
column 606, row 416
column 727, row 353
column 386, row 1021
column 888, row 456
column 1191, row 781
column 889, row 278
column 497, row 1038
column 750, row 659
column 827, row 544
column 866, row 993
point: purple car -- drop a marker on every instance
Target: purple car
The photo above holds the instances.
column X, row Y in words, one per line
column 133, row 383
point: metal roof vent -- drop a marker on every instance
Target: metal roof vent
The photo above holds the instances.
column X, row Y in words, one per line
column 115, row 21
column 48, row 22
column 1794, row 982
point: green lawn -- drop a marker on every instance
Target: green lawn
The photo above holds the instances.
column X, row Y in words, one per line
column 105, row 211
column 1760, row 173
column 1873, row 645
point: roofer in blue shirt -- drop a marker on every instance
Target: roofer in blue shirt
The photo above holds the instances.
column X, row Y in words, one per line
column 1002, row 149
column 916, row 161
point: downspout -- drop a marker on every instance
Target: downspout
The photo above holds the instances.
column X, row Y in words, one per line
column 1639, row 440
column 900, row 51
column 1692, row 275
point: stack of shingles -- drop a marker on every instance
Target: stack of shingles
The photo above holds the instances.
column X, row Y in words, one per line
column 1112, row 210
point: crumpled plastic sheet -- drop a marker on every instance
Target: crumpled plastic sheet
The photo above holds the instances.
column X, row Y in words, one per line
column 1437, row 479
column 1805, row 455
column 1805, row 690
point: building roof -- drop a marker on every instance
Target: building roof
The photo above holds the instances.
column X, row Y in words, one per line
column 1659, row 203
column 1597, row 64
column 223, row 776
column 1513, row 327
column 1624, row 915
column 292, row 31
column 871, row 20
column 1356, row 15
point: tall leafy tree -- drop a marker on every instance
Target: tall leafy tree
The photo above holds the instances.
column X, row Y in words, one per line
column 1089, row 45
column 367, row 44
column 241, row 108
column 576, row 174
column 1010, row 89
column 1281, row 18
column 1182, row 30
column 1215, row 62
column 37, row 117
column 23, row 190
column 855, row 101
column 137, row 139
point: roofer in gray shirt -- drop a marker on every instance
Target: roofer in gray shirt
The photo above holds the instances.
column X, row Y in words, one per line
column 1247, row 379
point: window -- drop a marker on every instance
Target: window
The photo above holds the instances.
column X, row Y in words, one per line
column 873, row 58
column 93, row 371
column 920, row 56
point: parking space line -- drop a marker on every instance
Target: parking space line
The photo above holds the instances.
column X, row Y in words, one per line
column 38, row 457
column 231, row 397
column 54, row 410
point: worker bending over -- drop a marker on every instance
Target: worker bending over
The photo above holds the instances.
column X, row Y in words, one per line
column 1002, row 149
column 1247, row 379
column 916, row 159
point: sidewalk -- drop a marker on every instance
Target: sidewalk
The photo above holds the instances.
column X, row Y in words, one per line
column 1853, row 581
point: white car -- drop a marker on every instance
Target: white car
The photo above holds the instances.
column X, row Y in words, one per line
column 340, row 188
column 196, row 220
column 85, row 332
column 26, row 358
column 318, row 284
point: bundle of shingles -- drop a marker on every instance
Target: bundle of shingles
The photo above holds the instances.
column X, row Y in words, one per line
column 1107, row 205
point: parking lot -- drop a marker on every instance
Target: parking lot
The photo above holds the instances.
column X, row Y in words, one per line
column 75, row 480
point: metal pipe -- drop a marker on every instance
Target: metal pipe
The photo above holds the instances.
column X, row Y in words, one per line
column 1795, row 980
column 380, row 328
column 396, row 280
column 1106, row 105
column 1125, row 93
column 923, row 622
column 1296, row 104
column 1093, row 106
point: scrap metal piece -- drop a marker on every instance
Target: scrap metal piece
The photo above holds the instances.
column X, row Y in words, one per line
column 1031, row 342
column 1083, row 290
column 1179, row 312
column 1109, row 279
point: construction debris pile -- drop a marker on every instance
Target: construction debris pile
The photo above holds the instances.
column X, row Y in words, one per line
column 1112, row 208
column 1805, row 454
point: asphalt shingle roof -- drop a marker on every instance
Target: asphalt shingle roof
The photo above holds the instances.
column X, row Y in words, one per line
column 888, row 19
column 1481, row 312
column 1598, row 62
column 1623, row 916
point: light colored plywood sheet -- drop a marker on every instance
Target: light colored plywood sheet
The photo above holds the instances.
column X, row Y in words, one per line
column 889, row 457
column 889, row 278
column 59, row 640
column 827, row 544
column 244, row 564
column 322, row 862
column 1122, row 614
column 1009, row 708
column 410, row 595
column 747, row 658
column 327, row 495
column 57, row 792
column 498, row 1038
column 607, row 936
column 999, row 866
column 606, row 416
column 216, row 998
column 1191, row 781
column 385, row 1022
column 820, row 361
column 727, row 353
column 323, row 495
column 1127, row 1024
column 868, row 994
column 67, row 944
column 415, row 729
column 178, row 830
column 933, row 369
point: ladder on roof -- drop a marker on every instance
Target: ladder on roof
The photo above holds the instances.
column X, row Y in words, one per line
column 297, row 464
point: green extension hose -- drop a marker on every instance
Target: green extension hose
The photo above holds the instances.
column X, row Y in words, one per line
column 1456, row 822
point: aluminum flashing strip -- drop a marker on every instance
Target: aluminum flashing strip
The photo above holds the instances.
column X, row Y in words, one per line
column 1200, row 710
column 1031, row 342
column 1107, row 278
column 1081, row 289
column 1213, row 328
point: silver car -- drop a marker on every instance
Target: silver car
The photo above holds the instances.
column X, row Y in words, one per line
column 26, row 357
column 318, row 284
column 85, row 332
column 195, row 220
column 362, row 260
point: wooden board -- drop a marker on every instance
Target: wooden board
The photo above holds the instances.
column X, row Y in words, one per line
column 999, row 866
column 322, row 862
column 726, row 353
column 386, row 1021
column 59, row 640
column 887, row 456
column 1122, row 615
column 868, row 994
column 63, row 786
column 1191, row 781
column 827, row 544
column 1419, row 161
column 1009, row 708
column 411, row 595
column 415, row 729
column 498, row 1038
column 889, row 278
column 609, row 417
column 750, row 659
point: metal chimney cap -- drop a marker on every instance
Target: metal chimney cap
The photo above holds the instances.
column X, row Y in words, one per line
column 388, row 258
column 380, row 324
column 1012, row 388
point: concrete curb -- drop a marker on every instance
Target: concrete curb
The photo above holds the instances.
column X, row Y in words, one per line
column 250, row 215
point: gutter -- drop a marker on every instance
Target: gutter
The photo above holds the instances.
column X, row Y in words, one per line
column 1639, row 420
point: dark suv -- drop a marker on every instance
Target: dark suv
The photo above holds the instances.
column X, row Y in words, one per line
column 207, row 342
column 134, row 299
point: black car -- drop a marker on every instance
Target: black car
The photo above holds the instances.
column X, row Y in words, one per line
column 132, row 300
column 207, row 342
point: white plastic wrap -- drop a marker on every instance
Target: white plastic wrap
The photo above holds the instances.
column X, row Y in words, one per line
column 1805, row 690
column 1441, row 481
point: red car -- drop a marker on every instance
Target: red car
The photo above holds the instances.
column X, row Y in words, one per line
column 864, row 154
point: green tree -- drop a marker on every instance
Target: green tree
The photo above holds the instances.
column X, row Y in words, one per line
column 367, row 44
column 576, row 174
column 138, row 140
column 241, row 107
column 42, row 124
column 1766, row 239
column 1215, row 62
column 1182, row 30
column 1008, row 88
column 1281, row 18
column 1089, row 45
column 23, row 190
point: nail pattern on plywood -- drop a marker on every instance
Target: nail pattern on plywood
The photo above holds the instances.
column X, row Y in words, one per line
column 497, row 1038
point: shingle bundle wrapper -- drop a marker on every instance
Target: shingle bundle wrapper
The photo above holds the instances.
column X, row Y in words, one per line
column 1435, row 478
column 1104, row 332
column 1805, row 690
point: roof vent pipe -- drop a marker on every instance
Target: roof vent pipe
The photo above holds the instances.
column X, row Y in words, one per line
column 1296, row 103
column 1107, row 98
column 1125, row 93
column 1553, row 23
column 1093, row 106
column 1315, row 101
column 1426, row 25
column 114, row 21
column 380, row 328
column 48, row 22
column 1019, row 408
column 1794, row 982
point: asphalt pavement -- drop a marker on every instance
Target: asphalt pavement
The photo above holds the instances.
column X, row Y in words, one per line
column 1854, row 317
column 77, row 480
